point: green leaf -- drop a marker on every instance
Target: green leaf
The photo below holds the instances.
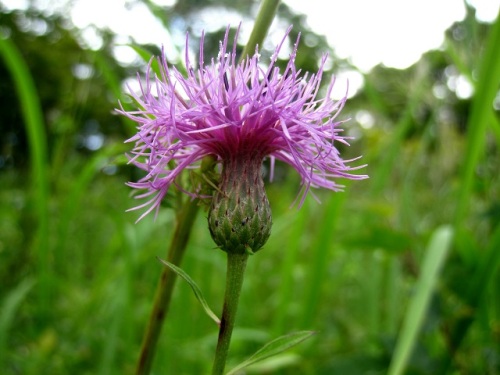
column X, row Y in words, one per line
column 478, row 119
column 147, row 56
column 434, row 259
column 274, row 347
column 196, row 289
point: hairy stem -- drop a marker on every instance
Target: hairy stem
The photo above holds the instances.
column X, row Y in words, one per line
column 236, row 264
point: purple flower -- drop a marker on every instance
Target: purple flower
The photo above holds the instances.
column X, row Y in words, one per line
column 236, row 110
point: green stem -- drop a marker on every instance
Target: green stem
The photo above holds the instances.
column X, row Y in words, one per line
column 236, row 264
column 263, row 21
column 185, row 221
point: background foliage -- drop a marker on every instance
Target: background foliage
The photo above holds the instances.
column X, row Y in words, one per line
column 77, row 276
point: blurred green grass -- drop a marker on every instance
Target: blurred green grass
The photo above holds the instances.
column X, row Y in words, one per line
column 77, row 274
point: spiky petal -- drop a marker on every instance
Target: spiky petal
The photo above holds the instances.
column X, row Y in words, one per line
column 225, row 108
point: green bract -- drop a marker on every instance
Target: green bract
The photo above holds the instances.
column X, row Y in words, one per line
column 240, row 216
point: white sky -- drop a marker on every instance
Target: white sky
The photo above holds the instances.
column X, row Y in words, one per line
column 392, row 32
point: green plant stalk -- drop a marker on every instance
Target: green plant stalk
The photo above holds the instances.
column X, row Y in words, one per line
column 236, row 264
column 185, row 220
column 263, row 21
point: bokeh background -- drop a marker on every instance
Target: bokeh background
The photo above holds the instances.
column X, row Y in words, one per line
column 77, row 274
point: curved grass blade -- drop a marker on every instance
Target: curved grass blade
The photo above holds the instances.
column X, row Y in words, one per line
column 274, row 347
column 196, row 289
column 37, row 139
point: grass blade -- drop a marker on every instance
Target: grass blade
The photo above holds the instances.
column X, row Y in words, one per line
column 486, row 89
column 274, row 347
column 479, row 284
column 196, row 289
column 37, row 139
column 148, row 58
column 434, row 259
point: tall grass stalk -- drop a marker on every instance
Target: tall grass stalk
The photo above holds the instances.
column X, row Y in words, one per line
column 37, row 139
column 477, row 124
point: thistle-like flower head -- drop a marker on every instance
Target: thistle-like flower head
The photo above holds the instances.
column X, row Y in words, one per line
column 236, row 111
